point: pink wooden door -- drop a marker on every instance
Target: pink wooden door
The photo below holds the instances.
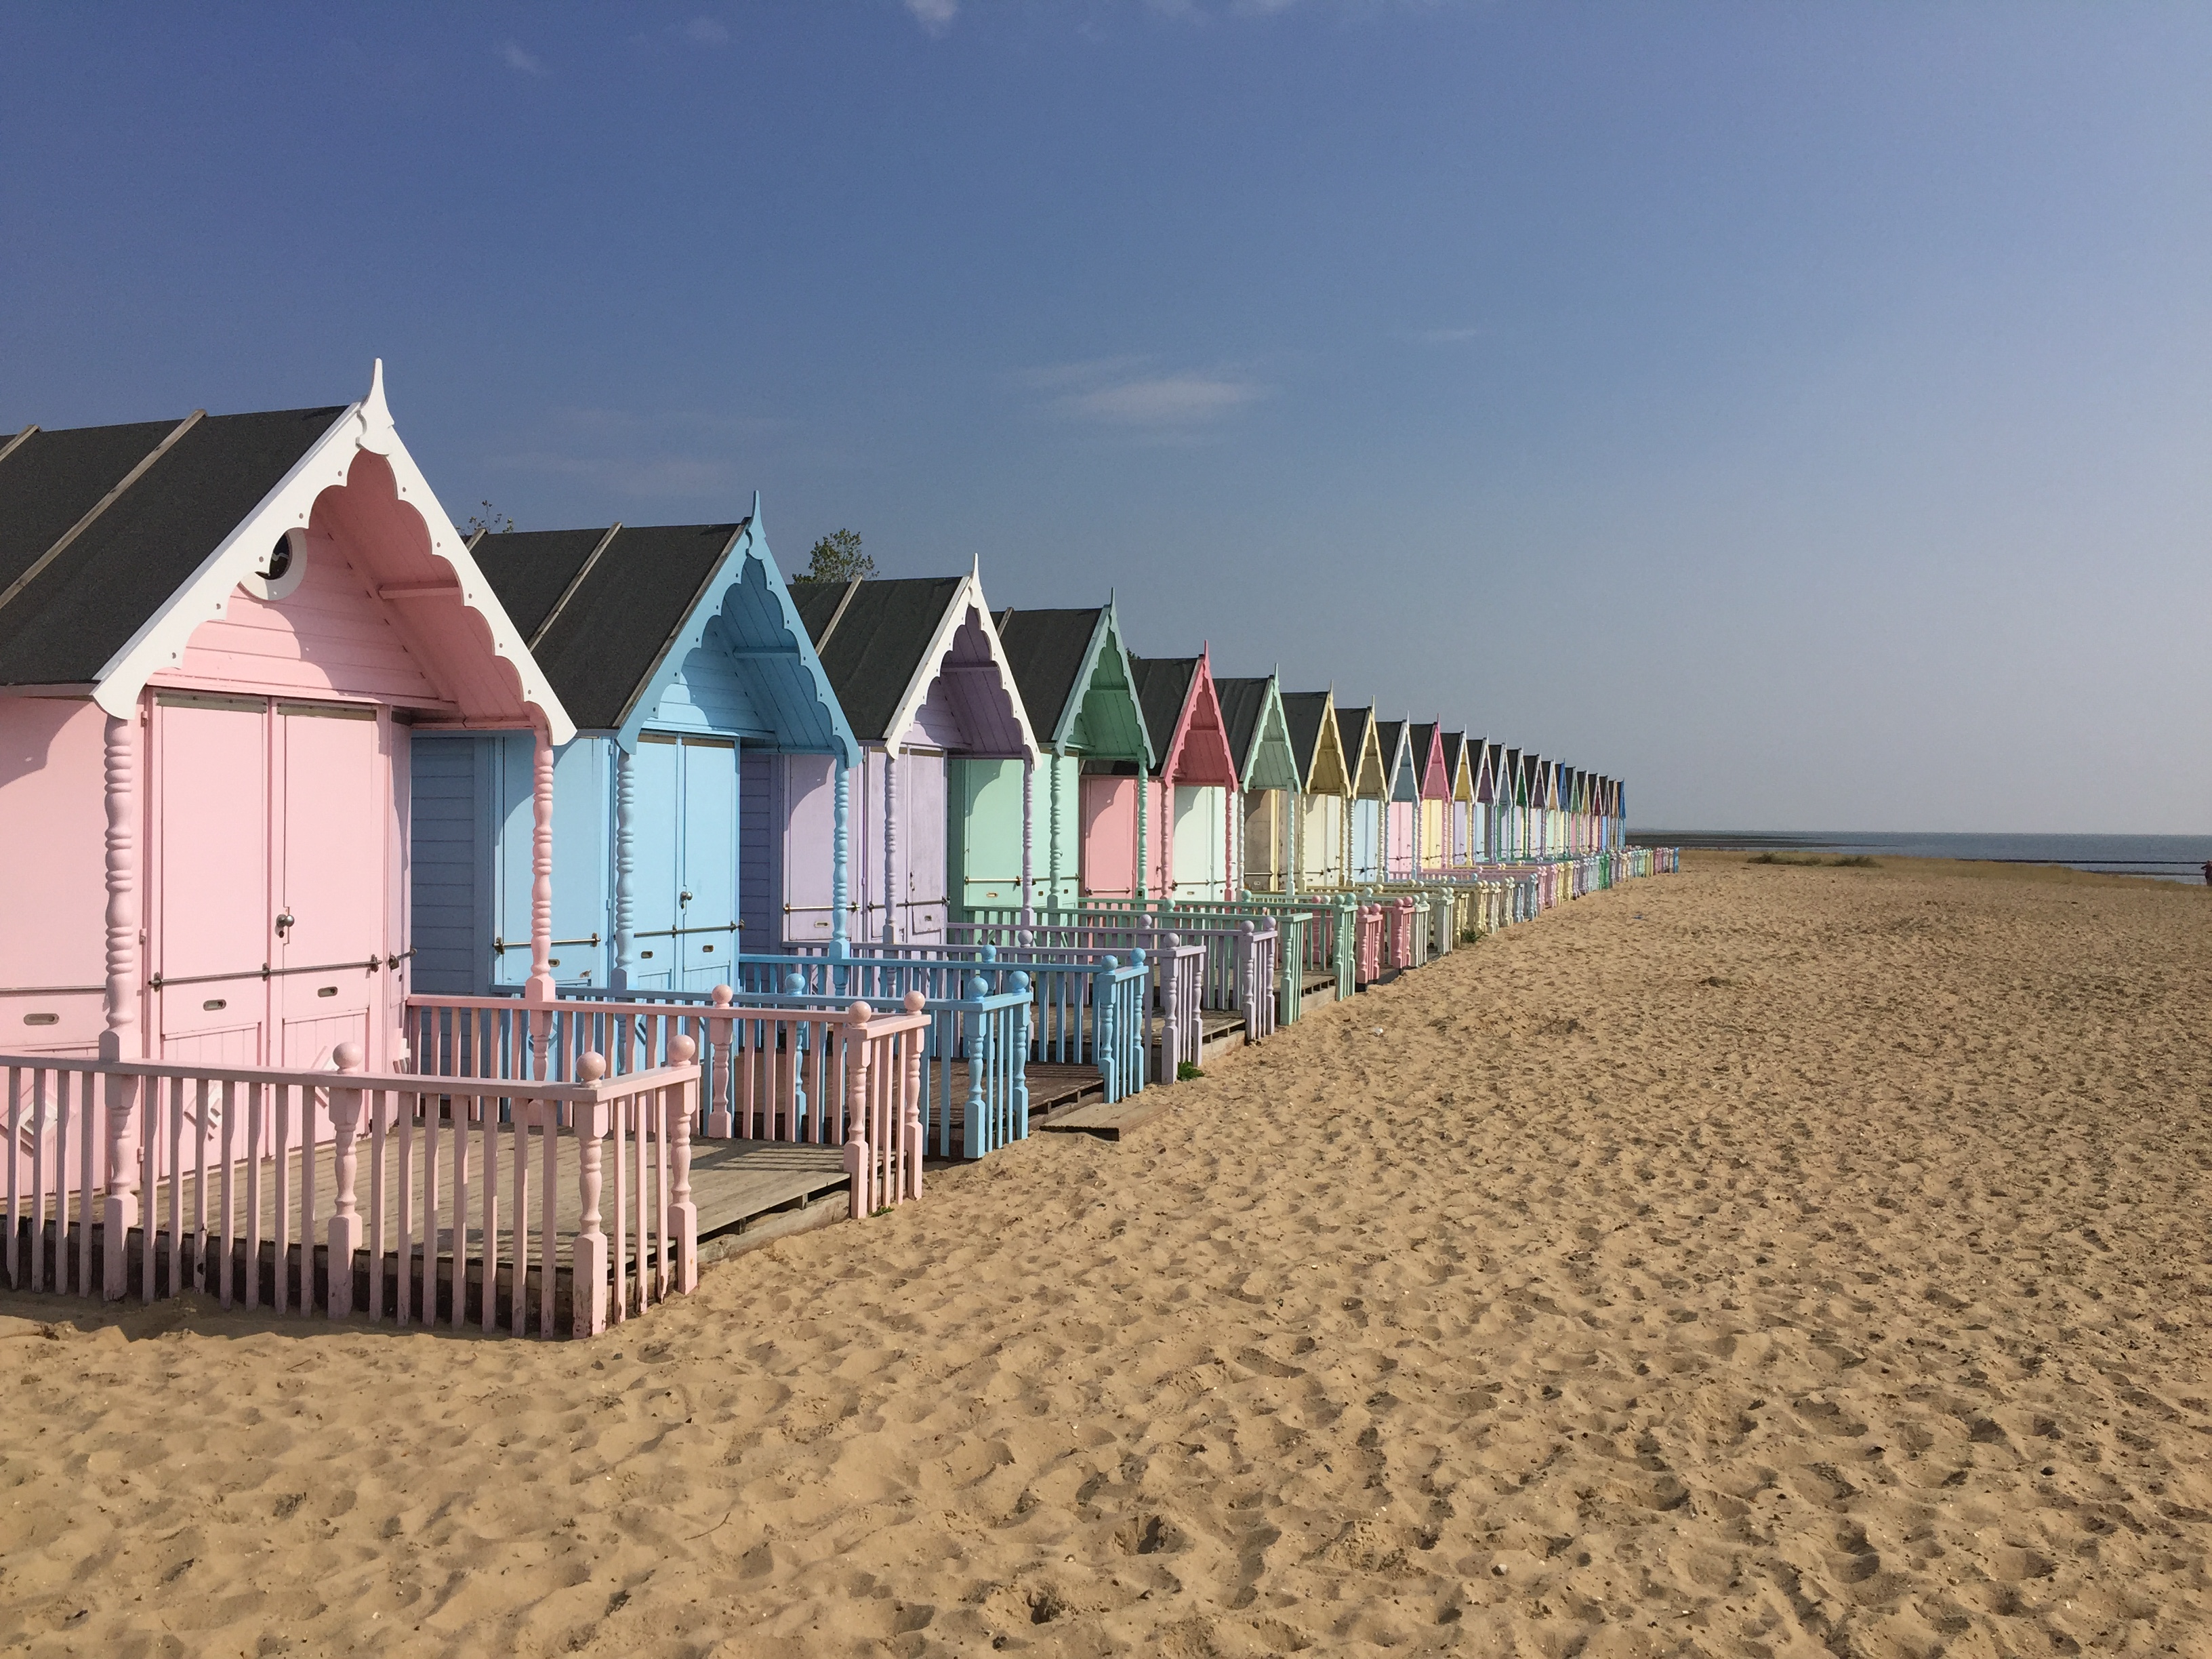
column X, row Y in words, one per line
column 212, row 937
column 1109, row 837
column 331, row 877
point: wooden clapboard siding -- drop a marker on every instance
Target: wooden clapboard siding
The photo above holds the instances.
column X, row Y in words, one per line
column 760, row 895
column 449, row 896
column 328, row 635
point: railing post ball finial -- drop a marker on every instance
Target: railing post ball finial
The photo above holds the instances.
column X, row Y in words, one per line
column 861, row 1012
column 683, row 1050
column 722, row 996
column 914, row 1002
column 978, row 987
column 990, row 953
column 1171, row 940
column 347, row 1057
column 593, row 1066
column 795, row 982
column 1136, row 959
column 1109, row 962
column 1019, row 984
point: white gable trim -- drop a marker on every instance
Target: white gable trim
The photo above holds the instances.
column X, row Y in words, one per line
column 970, row 593
column 159, row 643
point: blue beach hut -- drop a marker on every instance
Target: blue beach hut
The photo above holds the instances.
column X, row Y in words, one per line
column 690, row 674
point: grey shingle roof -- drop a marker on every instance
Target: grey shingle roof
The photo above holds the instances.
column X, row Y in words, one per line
column 605, row 644
column 878, row 643
column 75, row 614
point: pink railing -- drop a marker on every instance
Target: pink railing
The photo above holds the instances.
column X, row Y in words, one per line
column 1406, row 933
column 161, row 1176
column 848, row 1076
column 1369, row 954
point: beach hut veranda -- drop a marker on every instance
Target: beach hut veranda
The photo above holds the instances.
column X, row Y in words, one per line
column 1401, row 807
column 1434, row 786
column 1364, row 803
column 221, row 639
column 680, row 656
column 1461, row 834
column 917, row 668
column 1266, row 782
column 1186, row 825
column 1073, row 673
column 1324, row 787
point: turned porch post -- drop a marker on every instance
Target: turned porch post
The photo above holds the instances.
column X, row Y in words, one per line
column 859, row 1155
column 587, row 1250
column 1029, row 815
column 122, row 1040
column 1290, row 844
column 345, row 1229
column 1052, row 859
column 680, row 1101
column 1144, row 826
column 1233, row 836
column 625, row 866
column 890, row 844
column 841, row 863
column 540, row 987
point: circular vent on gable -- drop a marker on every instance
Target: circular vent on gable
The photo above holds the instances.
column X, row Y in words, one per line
column 281, row 569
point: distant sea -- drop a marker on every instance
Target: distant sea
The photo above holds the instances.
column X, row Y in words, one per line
column 2164, row 858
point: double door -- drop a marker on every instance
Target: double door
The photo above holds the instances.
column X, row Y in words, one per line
column 270, row 858
column 684, row 874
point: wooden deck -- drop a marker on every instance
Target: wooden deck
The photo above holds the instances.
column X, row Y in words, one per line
column 731, row 1182
column 748, row 1192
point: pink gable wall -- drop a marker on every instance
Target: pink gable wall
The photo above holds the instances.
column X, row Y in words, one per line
column 329, row 634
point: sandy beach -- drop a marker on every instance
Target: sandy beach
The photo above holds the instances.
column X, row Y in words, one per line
column 1766, row 1260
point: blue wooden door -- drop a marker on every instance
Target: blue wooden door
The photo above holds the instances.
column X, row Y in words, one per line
column 654, row 870
column 707, row 903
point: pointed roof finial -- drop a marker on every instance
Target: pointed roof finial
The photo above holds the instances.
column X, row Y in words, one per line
column 376, row 433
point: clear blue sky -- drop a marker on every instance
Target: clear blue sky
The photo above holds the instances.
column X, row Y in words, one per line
column 1803, row 411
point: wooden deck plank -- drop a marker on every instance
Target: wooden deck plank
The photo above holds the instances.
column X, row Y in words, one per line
column 1112, row 1122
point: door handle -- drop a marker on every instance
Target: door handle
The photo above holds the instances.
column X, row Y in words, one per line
column 683, row 898
column 283, row 923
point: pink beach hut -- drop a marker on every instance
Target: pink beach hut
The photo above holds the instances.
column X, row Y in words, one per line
column 218, row 637
column 1190, row 829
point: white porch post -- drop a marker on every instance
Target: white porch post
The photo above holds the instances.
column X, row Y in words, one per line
column 841, row 861
column 625, row 868
column 1052, row 862
column 121, row 1040
column 1291, row 843
column 890, row 845
column 1232, row 837
column 1029, row 813
column 1143, row 828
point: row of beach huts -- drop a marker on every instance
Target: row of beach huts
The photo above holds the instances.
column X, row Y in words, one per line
column 434, row 927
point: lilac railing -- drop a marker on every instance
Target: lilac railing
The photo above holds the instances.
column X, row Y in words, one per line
column 164, row 1177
